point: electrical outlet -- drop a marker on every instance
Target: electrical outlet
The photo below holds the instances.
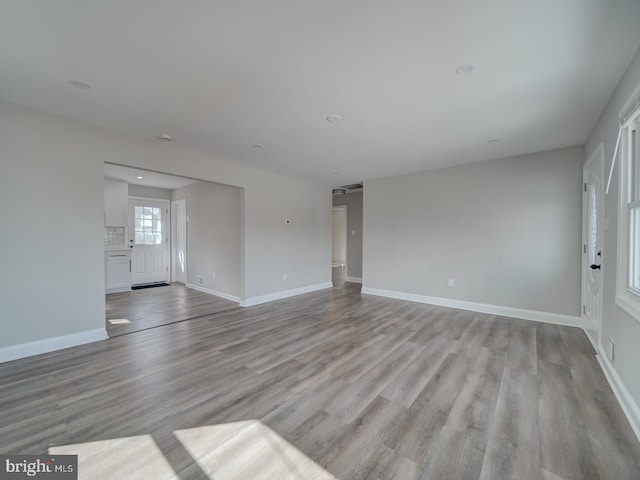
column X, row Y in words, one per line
column 451, row 282
column 353, row 233
column 611, row 350
column 199, row 279
column 284, row 276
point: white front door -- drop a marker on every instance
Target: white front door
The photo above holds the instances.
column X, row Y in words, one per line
column 148, row 237
column 592, row 242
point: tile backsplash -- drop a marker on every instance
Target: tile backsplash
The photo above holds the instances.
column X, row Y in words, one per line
column 114, row 236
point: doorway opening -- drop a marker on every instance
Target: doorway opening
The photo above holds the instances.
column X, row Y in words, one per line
column 182, row 233
column 339, row 245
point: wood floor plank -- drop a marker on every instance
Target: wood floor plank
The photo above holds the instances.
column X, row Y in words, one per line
column 415, row 433
column 475, row 403
column 549, row 345
column 408, row 383
column 352, row 400
column 513, row 449
column 522, row 351
column 565, row 448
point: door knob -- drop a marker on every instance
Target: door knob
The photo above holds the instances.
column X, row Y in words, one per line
column 595, row 267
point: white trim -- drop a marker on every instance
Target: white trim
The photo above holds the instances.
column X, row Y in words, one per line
column 630, row 106
column 249, row 302
column 226, row 296
column 167, row 231
column 117, row 290
column 23, row 350
column 591, row 339
column 613, row 160
column 353, row 279
column 624, row 298
column 595, row 163
column 535, row 315
column 628, row 405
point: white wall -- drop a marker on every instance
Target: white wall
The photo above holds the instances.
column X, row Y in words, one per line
column 51, row 211
column 149, row 192
column 214, row 233
column 52, row 205
column 623, row 329
column 507, row 231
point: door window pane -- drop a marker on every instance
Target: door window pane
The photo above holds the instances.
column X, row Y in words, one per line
column 148, row 225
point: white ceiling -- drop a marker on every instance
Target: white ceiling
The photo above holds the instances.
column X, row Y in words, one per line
column 149, row 179
column 221, row 76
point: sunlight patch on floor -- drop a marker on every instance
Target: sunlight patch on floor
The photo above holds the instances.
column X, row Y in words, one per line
column 248, row 450
column 119, row 321
column 122, row 458
column 239, row 450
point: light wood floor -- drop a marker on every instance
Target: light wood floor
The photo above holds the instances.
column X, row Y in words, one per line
column 330, row 383
column 152, row 307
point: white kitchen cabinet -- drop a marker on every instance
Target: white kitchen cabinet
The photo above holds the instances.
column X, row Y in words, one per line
column 116, row 203
column 118, row 271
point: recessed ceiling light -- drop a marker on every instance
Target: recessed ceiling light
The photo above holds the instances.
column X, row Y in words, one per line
column 493, row 140
column 465, row 69
column 165, row 137
column 139, row 178
column 80, row 85
column 256, row 145
column 333, row 118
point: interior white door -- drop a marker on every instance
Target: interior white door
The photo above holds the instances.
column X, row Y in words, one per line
column 179, row 240
column 593, row 235
column 148, row 230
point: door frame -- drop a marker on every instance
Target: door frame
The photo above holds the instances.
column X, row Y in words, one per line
column 167, row 204
column 174, row 239
column 596, row 160
column 346, row 235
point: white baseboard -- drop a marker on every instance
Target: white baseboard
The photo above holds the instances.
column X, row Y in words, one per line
column 29, row 349
column 117, row 290
column 590, row 338
column 226, row 296
column 249, row 302
column 535, row 315
column 626, row 401
column 353, row 279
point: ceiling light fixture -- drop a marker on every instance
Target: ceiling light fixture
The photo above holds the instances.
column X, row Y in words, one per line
column 256, row 145
column 80, row 85
column 139, row 178
column 333, row 118
column 165, row 137
column 465, row 69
